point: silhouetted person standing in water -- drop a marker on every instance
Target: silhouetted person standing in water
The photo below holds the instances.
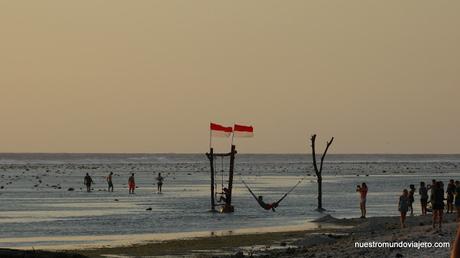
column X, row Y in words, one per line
column 363, row 196
column 159, row 179
column 109, row 182
column 131, row 184
column 88, row 181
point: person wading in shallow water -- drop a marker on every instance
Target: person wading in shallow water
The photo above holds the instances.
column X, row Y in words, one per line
column 131, row 184
column 109, row 182
column 363, row 195
column 159, row 179
column 88, row 181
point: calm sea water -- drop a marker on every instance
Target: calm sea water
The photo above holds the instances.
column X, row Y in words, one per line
column 36, row 206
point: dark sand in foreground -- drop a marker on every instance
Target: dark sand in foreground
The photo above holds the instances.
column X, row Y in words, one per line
column 338, row 242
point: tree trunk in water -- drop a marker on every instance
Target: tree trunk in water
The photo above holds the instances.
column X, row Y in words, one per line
column 320, row 194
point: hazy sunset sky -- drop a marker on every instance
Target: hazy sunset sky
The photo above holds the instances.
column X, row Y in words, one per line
column 149, row 76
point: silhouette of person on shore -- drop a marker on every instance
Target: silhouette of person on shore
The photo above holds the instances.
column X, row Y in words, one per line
column 411, row 199
column 109, row 182
column 438, row 204
column 363, row 197
column 423, row 191
column 88, row 181
column 403, row 207
column 131, row 184
column 457, row 199
column 450, row 196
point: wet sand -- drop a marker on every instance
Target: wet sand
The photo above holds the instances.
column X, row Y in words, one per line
column 321, row 242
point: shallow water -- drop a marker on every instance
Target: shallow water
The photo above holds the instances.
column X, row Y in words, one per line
column 41, row 214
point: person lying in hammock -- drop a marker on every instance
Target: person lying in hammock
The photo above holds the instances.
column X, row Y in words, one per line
column 267, row 206
column 260, row 200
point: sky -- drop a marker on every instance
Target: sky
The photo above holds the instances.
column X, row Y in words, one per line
column 149, row 76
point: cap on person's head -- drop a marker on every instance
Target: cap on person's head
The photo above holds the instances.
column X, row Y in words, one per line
column 87, row 174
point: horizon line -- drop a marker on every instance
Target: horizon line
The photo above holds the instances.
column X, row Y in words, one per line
column 196, row 153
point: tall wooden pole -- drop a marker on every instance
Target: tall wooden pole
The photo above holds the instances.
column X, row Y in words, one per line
column 230, row 174
column 211, row 160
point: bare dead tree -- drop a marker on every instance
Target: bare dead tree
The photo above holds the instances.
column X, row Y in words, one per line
column 319, row 177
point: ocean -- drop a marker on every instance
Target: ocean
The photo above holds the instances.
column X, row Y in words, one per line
column 37, row 209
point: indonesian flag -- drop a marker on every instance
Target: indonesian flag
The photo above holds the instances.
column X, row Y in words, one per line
column 243, row 131
column 220, row 131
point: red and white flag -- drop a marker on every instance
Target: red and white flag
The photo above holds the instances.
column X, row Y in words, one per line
column 243, row 131
column 220, row 131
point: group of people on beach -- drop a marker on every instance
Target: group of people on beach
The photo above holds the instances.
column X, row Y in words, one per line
column 88, row 182
column 435, row 198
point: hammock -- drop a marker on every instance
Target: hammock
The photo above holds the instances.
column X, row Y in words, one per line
column 271, row 206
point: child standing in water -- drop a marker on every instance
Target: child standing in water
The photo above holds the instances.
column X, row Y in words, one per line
column 131, row 184
column 363, row 195
column 403, row 207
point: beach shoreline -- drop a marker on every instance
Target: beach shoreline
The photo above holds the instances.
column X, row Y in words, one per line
column 333, row 238
column 340, row 241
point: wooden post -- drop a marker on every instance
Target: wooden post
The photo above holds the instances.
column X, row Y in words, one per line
column 211, row 160
column 230, row 174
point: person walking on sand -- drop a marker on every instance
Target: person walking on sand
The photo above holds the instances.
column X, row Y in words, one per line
column 363, row 195
column 159, row 179
column 411, row 199
column 457, row 199
column 450, row 196
column 88, row 181
column 131, row 184
column 109, row 182
column 438, row 205
column 423, row 191
column 403, row 206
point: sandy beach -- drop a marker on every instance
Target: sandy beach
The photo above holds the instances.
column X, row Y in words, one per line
column 323, row 242
column 336, row 242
